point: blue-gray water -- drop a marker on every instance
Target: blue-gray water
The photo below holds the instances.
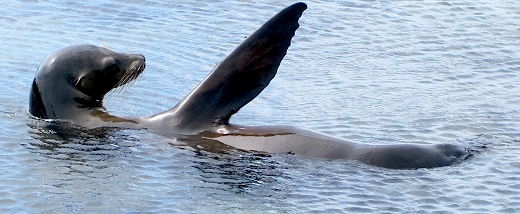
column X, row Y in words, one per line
column 369, row 71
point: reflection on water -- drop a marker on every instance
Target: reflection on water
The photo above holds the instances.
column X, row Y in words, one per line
column 242, row 173
column 72, row 157
column 369, row 71
column 78, row 146
column 87, row 151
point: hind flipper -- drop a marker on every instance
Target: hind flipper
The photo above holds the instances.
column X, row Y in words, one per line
column 242, row 75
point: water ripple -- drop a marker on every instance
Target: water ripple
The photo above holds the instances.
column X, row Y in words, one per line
column 369, row 71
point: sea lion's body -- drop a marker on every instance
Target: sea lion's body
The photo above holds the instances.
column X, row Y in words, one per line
column 71, row 83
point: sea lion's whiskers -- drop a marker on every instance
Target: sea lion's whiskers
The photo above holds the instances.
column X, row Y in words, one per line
column 125, row 83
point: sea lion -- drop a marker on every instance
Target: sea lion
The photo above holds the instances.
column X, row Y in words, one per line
column 71, row 83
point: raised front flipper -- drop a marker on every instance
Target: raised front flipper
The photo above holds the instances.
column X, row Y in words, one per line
column 239, row 78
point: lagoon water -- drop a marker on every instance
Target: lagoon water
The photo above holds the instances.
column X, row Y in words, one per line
column 374, row 72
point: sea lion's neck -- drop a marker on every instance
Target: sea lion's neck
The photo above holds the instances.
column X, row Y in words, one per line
column 99, row 117
column 89, row 103
column 106, row 117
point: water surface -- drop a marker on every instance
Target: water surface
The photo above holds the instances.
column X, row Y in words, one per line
column 374, row 72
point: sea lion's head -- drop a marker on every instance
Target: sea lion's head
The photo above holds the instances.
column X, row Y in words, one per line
column 78, row 77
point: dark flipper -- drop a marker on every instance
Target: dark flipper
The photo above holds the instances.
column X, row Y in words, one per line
column 242, row 75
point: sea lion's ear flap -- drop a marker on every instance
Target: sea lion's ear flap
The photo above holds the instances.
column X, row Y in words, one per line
column 243, row 74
